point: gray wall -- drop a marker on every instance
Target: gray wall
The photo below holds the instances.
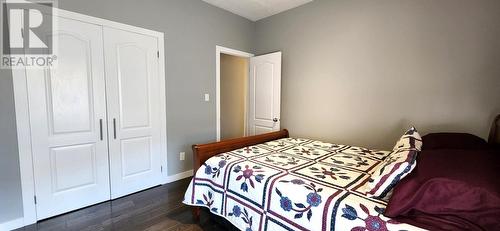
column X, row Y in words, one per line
column 192, row 30
column 360, row 72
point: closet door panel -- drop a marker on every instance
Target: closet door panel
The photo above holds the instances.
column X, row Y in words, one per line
column 67, row 113
column 134, row 90
column 134, row 109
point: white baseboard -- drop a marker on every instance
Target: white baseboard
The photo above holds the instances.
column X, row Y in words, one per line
column 180, row 176
column 13, row 224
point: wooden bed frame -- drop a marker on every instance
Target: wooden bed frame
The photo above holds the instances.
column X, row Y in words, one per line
column 202, row 152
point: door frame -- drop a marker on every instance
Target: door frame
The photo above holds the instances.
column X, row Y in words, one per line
column 23, row 118
column 228, row 51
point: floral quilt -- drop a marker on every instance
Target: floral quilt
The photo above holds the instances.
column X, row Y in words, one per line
column 292, row 184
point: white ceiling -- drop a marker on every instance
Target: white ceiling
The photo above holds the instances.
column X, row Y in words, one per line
column 257, row 9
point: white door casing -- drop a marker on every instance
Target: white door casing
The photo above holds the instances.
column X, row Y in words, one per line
column 228, row 51
column 134, row 123
column 67, row 117
column 264, row 93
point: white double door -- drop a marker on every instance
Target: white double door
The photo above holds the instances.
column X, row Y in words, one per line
column 95, row 118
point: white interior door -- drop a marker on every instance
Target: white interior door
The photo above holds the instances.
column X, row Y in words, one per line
column 133, row 94
column 265, row 93
column 67, row 115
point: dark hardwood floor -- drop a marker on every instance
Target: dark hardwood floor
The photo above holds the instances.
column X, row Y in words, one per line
column 158, row 208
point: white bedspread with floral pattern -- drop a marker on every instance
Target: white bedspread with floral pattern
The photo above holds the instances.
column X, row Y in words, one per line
column 292, row 184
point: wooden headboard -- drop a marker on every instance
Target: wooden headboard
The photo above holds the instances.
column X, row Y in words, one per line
column 202, row 152
column 494, row 137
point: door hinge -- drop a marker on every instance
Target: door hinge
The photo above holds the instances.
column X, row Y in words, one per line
column 161, row 169
column 34, row 197
column 158, row 54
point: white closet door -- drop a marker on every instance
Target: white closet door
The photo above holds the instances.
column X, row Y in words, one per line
column 67, row 108
column 265, row 93
column 133, row 111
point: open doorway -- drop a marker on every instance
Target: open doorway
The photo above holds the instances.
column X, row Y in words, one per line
column 233, row 96
column 248, row 93
column 232, row 92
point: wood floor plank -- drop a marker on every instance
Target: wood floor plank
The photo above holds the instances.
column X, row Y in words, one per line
column 155, row 209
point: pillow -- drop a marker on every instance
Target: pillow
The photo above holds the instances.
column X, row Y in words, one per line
column 410, row 140
column 388, row 173
column 444, row 140
column 400, row 162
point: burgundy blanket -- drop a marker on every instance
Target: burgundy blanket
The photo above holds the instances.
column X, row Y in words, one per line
column 450, row 190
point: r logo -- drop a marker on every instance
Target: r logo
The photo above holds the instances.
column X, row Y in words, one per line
column 27, row 28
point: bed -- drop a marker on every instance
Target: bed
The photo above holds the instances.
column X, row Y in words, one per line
column 274, row 182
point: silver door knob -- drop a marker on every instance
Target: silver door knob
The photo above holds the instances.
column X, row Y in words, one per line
column 275, row 120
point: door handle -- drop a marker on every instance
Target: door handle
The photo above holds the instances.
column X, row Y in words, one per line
column 275, row 120
column 100, row 129
column 114, row 128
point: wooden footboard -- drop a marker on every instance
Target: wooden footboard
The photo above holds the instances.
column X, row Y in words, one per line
column 202, row 152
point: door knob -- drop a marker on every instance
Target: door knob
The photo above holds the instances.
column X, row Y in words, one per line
column 275, row 120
